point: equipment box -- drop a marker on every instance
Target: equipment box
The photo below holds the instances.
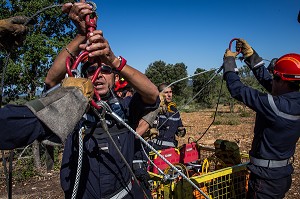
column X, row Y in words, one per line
column 189, row 153
column 171, row 154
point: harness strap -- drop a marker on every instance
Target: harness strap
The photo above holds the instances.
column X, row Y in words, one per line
column 100, row 133
column 162, row 143
column 271, row 163
column 138, row 164
column 124, row 192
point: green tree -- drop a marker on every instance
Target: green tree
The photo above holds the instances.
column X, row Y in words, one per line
column 49, row 32
column 207, row 92
column 159, row 72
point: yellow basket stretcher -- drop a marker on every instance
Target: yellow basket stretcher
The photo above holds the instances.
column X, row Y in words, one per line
column 216, row 179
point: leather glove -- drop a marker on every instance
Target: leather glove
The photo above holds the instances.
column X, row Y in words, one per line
column 163, row 109
column 252, row 59
column 247, row 50
column 150, row 117
column 181, row 131
column 61, row 109
column 12, row 31
column 84, row 84
column 153, row 133
column 229, row 64
column 229, row 53
column 271, row 65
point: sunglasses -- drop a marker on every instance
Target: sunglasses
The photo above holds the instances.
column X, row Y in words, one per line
column 104, row 69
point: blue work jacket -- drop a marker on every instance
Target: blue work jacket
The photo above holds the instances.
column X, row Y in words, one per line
column 277, row 124
column 104, row 172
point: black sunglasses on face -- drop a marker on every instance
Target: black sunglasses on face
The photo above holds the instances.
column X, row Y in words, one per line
column 104, row 69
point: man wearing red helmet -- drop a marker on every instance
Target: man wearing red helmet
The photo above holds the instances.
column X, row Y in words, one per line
column 277, row 125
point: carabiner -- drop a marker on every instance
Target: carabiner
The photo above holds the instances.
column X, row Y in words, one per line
column 230, row 44
column 91, row 25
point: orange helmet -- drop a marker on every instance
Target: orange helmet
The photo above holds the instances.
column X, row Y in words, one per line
column 287, row 67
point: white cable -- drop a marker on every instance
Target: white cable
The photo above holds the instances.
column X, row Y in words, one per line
column 79, row 166
column 119, row 119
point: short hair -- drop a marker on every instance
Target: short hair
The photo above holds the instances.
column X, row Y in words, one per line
column 162, row 86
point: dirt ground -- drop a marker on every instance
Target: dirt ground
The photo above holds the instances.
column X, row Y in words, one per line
column 48, row 186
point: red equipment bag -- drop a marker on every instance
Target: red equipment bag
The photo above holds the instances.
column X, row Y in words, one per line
column 189, row 153
column 171, row 154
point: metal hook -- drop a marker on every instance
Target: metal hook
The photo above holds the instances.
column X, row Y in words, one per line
column 93, row 4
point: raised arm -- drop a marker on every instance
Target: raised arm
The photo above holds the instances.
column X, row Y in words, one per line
column 99, row 47
column 77, row 13
column 256, row 64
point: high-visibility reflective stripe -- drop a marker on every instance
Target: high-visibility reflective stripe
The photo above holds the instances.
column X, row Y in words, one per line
column 279, row 113
column 169, row 118
column 121, row 194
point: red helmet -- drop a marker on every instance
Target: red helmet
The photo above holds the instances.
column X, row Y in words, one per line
column 120, row 84
column 287, row 67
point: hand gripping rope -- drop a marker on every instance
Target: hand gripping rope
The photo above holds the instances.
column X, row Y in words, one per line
column 91, row 23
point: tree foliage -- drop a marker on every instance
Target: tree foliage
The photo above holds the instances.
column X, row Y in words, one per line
column 160, row 72
column 206, row 87
column 50, row 30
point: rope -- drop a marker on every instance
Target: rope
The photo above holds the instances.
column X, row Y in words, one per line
column 119, row 119
column 208, row 82
column 215, row 113
column 104, row 126
column 79, row 165
column 151, row 162
column 40, row 11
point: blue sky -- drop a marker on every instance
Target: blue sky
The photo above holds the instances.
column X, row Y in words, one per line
column 197, row 32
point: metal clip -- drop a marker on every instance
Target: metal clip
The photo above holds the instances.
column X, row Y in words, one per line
column 93, row 4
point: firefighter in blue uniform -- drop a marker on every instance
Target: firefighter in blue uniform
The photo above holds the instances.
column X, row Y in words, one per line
column 163, row 124
column 168, row 122
column 104, row 173
column 277, row 124
column 22, row 124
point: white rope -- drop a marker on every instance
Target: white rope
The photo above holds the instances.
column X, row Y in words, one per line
column 215, row 74
column 79, row 166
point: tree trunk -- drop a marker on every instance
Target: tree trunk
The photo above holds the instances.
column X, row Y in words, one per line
column 36, row 154
column 49, row 158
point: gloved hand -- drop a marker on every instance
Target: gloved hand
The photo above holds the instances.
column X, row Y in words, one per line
column 151, row 134
column 12, row 31
column 229, row 53
column 252, row 59
column 150, row 117
column 247, row 50
column 61, row 109
column 162, row 105
column 229, row 64
column 181, row 131
column 84, row 84
column 271, row 65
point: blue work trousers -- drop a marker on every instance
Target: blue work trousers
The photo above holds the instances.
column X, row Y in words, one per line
column 259, row 188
